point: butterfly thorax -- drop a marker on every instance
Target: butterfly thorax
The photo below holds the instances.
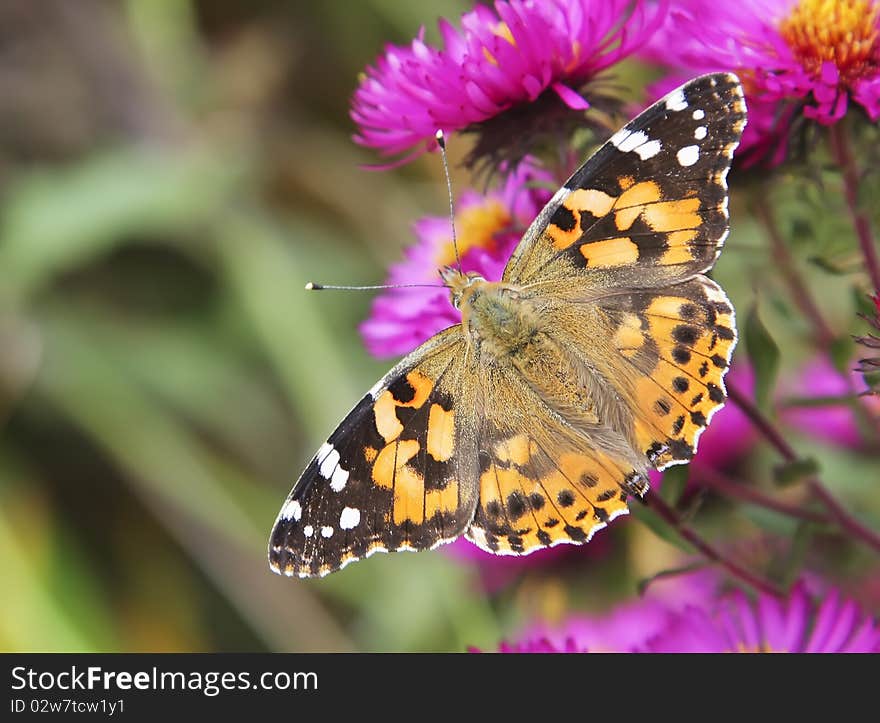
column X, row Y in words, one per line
column 496, row 317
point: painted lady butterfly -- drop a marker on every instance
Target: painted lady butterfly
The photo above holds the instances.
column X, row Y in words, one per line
column 601, row 353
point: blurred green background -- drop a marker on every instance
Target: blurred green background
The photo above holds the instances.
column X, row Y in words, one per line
column 172, row 173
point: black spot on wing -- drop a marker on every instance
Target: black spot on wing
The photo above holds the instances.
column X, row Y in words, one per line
column 565, row 498
column 564, row 218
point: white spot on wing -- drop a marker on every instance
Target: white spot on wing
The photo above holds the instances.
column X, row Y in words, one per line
column 329, row 463
column 291, row 510
column 700, row 133
column 676, row 100
column 308, row 530
column 349, row 518
column 325, row 449
column 327, row 531
column 699, row 114
column 619, row 137
column 648, row 150
column 632, row 141
column 338, row 480
column 688, row 155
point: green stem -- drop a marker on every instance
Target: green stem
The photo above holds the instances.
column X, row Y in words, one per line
column 837, row 512
column 656, row 503
column 840, row 148
column 738, row 490
column 786, row 266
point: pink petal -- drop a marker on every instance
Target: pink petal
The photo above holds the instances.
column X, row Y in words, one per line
column 573, row 100
column 829, row 73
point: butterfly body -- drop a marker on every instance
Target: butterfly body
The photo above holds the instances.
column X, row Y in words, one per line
column 598, row 355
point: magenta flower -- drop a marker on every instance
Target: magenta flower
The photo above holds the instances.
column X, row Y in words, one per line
column 501, row 59
column 623, row 628
column 700, row 622
column 488, row 228
column 833, row 422
column 540, row 645
column 817, row 55
column 731, row 435
column 737, row 625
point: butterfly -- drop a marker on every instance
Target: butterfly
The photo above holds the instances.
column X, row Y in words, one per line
column 599, row 355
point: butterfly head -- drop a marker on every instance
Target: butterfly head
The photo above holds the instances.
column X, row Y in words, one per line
column 458, row 282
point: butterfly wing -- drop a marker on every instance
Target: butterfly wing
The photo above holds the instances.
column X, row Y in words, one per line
column 399, row 472
column 640, row 337
column 671, row 348
column 544, row 478
column 649, row 208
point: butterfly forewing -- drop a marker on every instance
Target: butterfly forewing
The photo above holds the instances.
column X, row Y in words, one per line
column 649, row 208
column 397, row 474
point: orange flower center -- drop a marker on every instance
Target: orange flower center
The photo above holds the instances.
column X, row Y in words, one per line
column 502, row 30
column 476, row 226
column 841, row 31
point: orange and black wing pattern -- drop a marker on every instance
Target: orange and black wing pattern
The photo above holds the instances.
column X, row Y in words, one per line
column 533, row 497
column 397, row 474
column 649, row 208
column 675, row 345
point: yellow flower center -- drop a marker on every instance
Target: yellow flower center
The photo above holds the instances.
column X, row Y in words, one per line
column 476, row 226
column 842, row 31
column 762, row 648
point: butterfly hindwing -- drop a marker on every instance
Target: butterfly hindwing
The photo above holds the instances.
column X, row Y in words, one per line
column 396, row 474
column 675, row 344
column 533, row 497
column 649, row 208
column 547, row 474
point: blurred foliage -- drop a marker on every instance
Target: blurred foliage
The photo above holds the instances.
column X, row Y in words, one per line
column 172, row 174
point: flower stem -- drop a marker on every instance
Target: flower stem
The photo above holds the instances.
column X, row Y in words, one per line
column 785, row 264
column 840, row 148
column 656, row 503
column 837, row 512
column 741, row 491
column 760, row 422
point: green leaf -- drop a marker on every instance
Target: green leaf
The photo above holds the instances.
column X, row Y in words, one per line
column 789, row 568
column 659, row 527
column 52, row 221
column 643, row 584
column 674, row 481
column 841, row 352
column 790, row 473
column 764, row 354
column 828, row 265
column 863, row 303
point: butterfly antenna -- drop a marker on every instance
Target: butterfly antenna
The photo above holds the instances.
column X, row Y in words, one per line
column 441, row 141
column 312, row 286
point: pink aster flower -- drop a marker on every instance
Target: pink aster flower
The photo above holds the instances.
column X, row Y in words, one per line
column 501, row 59
column 708, row 624
column 819, row 56
column 487, row 227
column 623, row 628
column 799, row 625
column 730, row 435
column 832, row 422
